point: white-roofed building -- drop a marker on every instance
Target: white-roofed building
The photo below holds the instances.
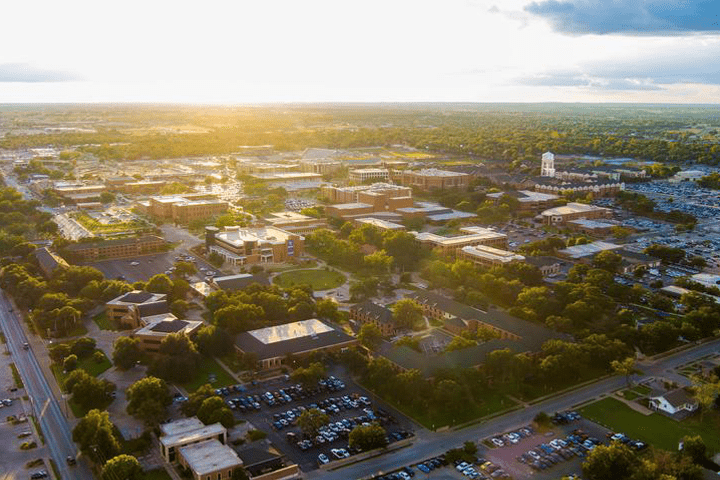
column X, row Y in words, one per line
column 187, row 431
column 489, row 256
column 574, row 211
column 209, row 460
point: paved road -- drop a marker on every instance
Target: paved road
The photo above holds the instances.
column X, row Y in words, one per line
column 430, row 444
column 55, row 427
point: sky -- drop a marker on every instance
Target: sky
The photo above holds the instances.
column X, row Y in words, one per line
column 265, row 51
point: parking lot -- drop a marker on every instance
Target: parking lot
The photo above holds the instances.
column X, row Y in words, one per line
column 346, row 403
column 142, row 268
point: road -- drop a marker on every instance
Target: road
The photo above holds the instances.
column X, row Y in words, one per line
column 46, row 409
column 430, row 444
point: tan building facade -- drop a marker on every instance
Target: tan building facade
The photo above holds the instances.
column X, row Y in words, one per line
column 250, row 246
column 120, row 248
column 186, row 208
column 431, row 179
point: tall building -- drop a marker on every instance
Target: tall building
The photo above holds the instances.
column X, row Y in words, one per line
column 248, row 246
column 547, row 167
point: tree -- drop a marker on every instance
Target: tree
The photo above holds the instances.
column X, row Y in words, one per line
column 216, row 260
column 126, row 352
column 607, row 260
column 177, row 358
column 311, row 420
column 88, row 391
column 70, row 363
column 378, row 262
column 122, row 467
column 614, row 461
column 241, row 317
column 370, row 335
column 159, row 283
column 407, row 313
column 185, row 269
column 695, row 448
column 83, row 347
column 310, row 376
column 58, row 352
column 107, row 197
column 213, row 410
column 706, row 390
column 213, row 341
column 148, row 399
column 95, row 436
column 625, row 367
column 368, row 437
column 327, row 308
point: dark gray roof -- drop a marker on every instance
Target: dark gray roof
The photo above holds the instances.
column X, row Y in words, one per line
column 172, row 326
column 532, row 335
column 678, row 398
column 248, row 343
column 47, row 260
column 136, row 297
column 382, row 314
column 238, row 282
column 153, row 308
column 543, row 261
column 634, row 257
column 257, row 461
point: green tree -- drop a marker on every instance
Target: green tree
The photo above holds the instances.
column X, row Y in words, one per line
column 695, row 448
column 615, row 461
column 216, row 260
column 625, row 367
column 196, row 399
column 370, row 335
column 95, row 435
column 126, row 352
column 148, row 399
column 159, row 283
column 407, row 313
column 213, row 341
column 213, row 410
column 378, row 262
column 311, row 420
column 310, row 376
column 607, row 260
column 83, row 347
column 327, row 308
column 70, row 363
column 177, row 358
column 368, row 437
column 125, row 467
column 185, row 269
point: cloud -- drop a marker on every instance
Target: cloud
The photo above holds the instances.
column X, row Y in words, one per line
column 629, row 17
column 27, row 73
column 564, row 79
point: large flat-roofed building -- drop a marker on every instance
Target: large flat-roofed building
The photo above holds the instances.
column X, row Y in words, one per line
column 249, row 246
column 146, row 187
column 250, row 167
column 118, row 248
column 271, row 345
column 361, row 175
column 489, row 256
column 160, row 326
column 574, row 211
column 528, row 199
column 185, row 208
column 590, row 227
column 187, row 431
column 382, row 196
column 72, row 190
column 129, row 308
column 431, row 179
column 209, row 460
column 587, row 251
column 294, row 222
column 379, row 223
column 473, row 236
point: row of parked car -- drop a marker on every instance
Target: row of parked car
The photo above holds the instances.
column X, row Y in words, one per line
column 407, row 472
column 545, row 455
column 511, row 438
column 330, row 406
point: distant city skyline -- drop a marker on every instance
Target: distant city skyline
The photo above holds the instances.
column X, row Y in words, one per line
column 646, row 51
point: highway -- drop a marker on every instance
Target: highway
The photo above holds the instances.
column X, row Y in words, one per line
column 430, row 444
column 46, row 409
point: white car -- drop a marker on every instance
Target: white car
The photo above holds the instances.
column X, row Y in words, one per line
column 134, row 264
column 497, row 442
column 323, row 459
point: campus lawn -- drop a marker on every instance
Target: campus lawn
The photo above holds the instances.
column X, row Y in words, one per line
column 208, row 366
column 157, row 474
column 88, row 364
column 103, row 322
column 655, row 429
column 317, row 279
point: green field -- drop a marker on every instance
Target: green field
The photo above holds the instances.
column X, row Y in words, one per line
column 317, row 279
column 158, row 474
column 88, row 364
column 208, row 366
column 654, row 429
column 103, row 322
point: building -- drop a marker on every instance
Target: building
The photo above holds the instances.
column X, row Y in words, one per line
column 379, row 224
column 157, row 327
column 382, row 196
column 143, row 187
column 706, row 279
column 188, row 431
column 547, row 265
column 49, row 261
column 485, row 256
column 687, row 176
column 272, row 345
column 250, row 167
column 209, row 460
column 587, row 251
column 72, row 190
column 631, row 261
column 431, row 179
column 528, row 199
column 474, row 236
column 433, row 212
column 362, row 175
column 250, row 246
column 118, row 248
column 231, row 283
column 261, row 464
column 590, row 227
column 185, row 208
column 574, row 211
column 674, row 402
column 294, row 222
column 129, row 308
column 370, row 312
column 560, row 187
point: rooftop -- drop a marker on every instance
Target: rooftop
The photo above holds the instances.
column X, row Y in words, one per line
column 237, row 236
column 571, row 208
column 179, row 426
column 491, row 253
column 209, row 457
column 192, row 434
column 383, row 224
column 137, row 297
column 434, row 172
column 240, row 281
column 295, row 337
column 118, row 241
column 472, row 234
column 583, row 222
column 163, row 326
column 589, row 249
column 382, row 314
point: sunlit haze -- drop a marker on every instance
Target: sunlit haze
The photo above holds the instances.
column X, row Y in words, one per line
column 321, row 50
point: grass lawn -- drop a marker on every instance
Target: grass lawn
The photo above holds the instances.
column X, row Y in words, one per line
column 208, row 366
column 158, row 474
column 16, row 376
column 88, row 364
column 630, row 394
column 103, row 322
column 317, row 279
column 654, row 429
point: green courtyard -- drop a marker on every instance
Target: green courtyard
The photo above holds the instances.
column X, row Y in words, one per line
column 317, row 279
column 654, row 429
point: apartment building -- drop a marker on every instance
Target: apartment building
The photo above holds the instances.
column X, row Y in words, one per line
column 129, row 308
column 370, row 312
column 185, row 208
column 361, row 175
column 118, row 248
